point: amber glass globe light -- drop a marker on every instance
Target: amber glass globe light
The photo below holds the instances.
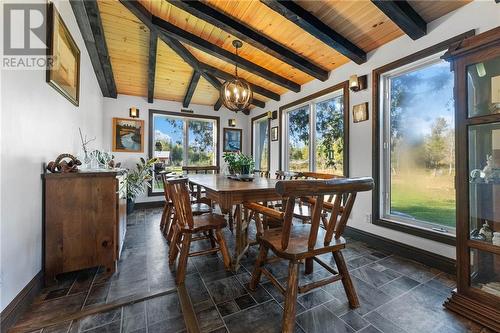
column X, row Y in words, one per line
column 236, row 93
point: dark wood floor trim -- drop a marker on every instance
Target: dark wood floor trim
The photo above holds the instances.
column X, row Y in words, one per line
column 21, row 302
column 140, row 297
column 430, row 259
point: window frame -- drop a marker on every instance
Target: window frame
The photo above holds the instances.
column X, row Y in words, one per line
column 252, row 137
column 377, row 141
column 183, row 116
column 312, row 99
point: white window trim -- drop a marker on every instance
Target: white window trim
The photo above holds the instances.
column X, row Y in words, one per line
column 311, row 104
column 385, row 156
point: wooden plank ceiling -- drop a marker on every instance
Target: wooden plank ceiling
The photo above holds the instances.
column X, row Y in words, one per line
column 128, row 42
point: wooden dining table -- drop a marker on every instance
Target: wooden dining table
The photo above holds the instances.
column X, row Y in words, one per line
column 229, row 194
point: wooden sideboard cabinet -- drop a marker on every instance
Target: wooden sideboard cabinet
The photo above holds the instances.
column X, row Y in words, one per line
column 84, row 221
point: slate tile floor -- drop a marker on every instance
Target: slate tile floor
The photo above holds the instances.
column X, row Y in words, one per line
column 397, row 295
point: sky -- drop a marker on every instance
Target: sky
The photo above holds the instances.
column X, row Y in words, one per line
column 164, row 129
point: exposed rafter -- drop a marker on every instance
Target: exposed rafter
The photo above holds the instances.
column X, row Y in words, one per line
column 89, row 21
column 153, row 42
column 191, row 88
column 250, row 36
column 404, row 16
column 216, row 51
column 218, row 105
column 227, row 76
column 147, row 18
column 317, row 28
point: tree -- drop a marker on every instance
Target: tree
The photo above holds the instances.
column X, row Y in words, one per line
column 436, row 143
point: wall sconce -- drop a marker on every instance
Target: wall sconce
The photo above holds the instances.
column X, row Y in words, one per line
column 133, row 112
column 272, row 115
column 231, row 122
column 357, row 83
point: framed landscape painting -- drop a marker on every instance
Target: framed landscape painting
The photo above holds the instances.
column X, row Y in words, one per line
column 128, row 135
column 232, row 140
column 63, row 58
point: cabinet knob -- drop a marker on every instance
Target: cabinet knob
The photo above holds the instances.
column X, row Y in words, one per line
column 105, row 243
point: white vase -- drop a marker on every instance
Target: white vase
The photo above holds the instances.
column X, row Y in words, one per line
column 496, row 238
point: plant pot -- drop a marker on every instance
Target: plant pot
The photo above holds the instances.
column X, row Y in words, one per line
column 130, row 205
column 245, row 170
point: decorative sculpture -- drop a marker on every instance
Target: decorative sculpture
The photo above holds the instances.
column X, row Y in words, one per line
column 64, row 163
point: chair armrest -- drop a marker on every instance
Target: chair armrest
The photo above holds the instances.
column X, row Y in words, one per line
column 269, row 212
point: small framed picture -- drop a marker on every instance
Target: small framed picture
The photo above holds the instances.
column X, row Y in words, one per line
column 360, row 112
column 63, row 72
column 128, row 135
column 232, row 139
column 274, row 133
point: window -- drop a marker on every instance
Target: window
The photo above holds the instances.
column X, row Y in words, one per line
column 315, row 133
column 182, row 141
column 260, row 143
column 417, row 147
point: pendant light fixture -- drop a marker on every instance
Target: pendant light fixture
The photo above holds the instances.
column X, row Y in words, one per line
column 236, row 93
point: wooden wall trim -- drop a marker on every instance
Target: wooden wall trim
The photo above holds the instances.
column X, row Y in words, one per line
column 21, row 302
column 430, row 259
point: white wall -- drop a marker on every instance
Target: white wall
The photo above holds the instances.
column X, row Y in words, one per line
column 479, row 15
column 120, row 108
column 37, row 124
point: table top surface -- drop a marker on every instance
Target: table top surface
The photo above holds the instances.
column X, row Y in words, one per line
column 221, row 183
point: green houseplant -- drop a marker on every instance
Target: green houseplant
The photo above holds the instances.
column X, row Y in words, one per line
column 239, row 163
column 137, row 180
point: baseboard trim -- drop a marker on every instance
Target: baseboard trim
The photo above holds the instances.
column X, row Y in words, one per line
column 149, row 204
column 21, row 302
column 430, row 259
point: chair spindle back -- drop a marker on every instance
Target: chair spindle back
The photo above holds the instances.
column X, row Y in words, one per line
column 179, row 194
column 318, row 189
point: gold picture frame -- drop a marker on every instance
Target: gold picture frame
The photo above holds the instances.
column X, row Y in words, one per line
column 63, row 57
column 128, row 135
column 360, row 112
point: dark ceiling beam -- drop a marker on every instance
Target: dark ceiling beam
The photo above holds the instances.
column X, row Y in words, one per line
column 145, row 17
column 89, row 21
column 227, row 76
column 153, row 43
column 218, row 105
column 317, row 28
column 216, row 51
column 250, row 36
column 404, row 16
column 191, row 88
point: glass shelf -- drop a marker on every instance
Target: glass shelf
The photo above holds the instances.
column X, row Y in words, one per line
column 485, row 271
column 484, row 181
column 483, row 88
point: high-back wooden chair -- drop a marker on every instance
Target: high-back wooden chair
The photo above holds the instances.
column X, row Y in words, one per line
column 197, row 191
column 168, row 216
column 296, row 243
column 263, row 174
column 187, row 225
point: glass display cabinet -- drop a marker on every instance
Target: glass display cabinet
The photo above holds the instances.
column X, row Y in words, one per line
column 476, row 65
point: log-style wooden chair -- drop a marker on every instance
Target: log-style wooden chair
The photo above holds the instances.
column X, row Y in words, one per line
column 297, row 243
column 303, row 208
column 168, row 216
column 197, row 191
column 187, row 225
column 263, row 174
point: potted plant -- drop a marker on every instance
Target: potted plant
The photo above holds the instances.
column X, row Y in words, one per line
column 231, row 160
column 137, row 180
column 246, row 164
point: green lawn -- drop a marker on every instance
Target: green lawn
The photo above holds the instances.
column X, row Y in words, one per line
column 425, row 197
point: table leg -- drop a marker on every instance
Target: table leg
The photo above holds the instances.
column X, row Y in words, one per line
column 241, row 243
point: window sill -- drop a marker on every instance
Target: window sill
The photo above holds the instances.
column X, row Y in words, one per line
column 419, row 232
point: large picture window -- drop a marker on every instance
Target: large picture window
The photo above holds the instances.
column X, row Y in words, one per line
column 315, row 133
column 417, row 145
column 260, row 142
column 179, row 140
